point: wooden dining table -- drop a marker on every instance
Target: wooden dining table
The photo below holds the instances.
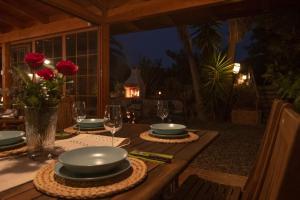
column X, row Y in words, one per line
column 161, row 178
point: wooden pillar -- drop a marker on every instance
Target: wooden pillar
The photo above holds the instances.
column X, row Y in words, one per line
column 5, row 74
column 103, row 68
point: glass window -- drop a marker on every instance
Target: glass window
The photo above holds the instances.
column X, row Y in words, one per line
column 82, row 49
column 51, row 47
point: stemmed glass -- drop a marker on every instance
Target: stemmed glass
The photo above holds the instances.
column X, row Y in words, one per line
column 113, row 119
column 79, row 112
column 162, row 109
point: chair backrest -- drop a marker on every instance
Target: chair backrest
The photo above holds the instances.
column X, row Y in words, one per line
column 64, row 117
column 257, row 175
column 283, row 175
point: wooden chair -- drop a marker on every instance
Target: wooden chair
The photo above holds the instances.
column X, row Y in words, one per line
column 275, row 175
column 64, row 115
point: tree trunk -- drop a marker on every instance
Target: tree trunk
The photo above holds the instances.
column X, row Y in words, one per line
column 187, row 46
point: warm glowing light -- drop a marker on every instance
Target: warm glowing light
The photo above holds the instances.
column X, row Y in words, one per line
column 132, row 92
column 159, row 93
column 236, row 68
column 47, row 62
column 244, row 77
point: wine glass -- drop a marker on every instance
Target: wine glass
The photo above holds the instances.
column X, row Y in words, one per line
column 79, row 112
column 162, row 109
column 113, row 119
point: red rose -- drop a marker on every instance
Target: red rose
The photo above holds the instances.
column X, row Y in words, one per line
column 66, row 67
column 34, row 60
column 46, row 73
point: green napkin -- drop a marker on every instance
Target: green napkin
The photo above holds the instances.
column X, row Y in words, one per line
column 151, row 156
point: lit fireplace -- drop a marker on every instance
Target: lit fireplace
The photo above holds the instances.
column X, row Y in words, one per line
column 134, row 86
column 132, row 92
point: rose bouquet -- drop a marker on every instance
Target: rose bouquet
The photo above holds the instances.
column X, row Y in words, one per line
column 42, row 85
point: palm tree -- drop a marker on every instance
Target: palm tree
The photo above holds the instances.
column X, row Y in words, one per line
column 188, row 49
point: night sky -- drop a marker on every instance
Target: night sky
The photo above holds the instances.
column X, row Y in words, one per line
column 153, row 44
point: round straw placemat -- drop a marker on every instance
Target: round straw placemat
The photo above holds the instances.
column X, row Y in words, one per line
column 192, row 137
column 47, row 182
column 14, row 151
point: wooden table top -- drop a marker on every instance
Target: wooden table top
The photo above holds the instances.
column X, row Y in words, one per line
column 159, row 175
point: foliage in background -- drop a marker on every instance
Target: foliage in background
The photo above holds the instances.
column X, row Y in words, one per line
column 217, row 82
column 275, row 50
column 119, row 68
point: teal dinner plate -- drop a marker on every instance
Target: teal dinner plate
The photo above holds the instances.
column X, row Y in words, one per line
column 89, row 128
column 9, row 146
column 10, row 137
column 168, row 128
column 61, row 171
column 92, row 160
column 169, row 136
column 89, row 123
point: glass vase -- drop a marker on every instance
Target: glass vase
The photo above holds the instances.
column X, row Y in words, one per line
column 40, row 125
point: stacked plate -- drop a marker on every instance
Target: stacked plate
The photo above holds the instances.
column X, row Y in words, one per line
column 92, row 163
column 168, row 130
column 10, row 139
column 91, row 124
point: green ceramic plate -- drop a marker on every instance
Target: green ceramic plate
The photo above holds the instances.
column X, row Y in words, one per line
column 10, row 137
column 20, row 143
column 89, row 123
column 169, row 136
column 92, row 160
column 63, row 172
column 168, row 128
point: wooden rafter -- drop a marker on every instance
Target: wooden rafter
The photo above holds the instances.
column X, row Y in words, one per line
column 143, row 9
column 17, row 7
column 13, row 21
column 100, row 4
column 72, row 8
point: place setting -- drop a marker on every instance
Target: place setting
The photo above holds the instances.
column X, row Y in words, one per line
column 83, row 124
column 12, row 142
column 92, row 171
column 167, row 132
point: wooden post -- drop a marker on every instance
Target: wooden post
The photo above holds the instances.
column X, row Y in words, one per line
column 5, row 74
column 103, row 68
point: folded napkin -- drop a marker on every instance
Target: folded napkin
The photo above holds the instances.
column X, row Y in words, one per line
column 151, row 156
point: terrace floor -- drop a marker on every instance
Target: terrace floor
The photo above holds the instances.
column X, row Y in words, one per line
column 230, row 157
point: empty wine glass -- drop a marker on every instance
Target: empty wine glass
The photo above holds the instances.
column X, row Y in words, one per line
column 79, row 112
column 162, row 109
column 113, row 119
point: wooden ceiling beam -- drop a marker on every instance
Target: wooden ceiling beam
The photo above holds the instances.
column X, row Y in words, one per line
column 17, row 7
column 139, row 10
column 72, row 8
column 100, row 4
column 40, row 30
column 14, row 22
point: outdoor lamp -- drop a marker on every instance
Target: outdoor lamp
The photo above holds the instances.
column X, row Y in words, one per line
column 236, row 68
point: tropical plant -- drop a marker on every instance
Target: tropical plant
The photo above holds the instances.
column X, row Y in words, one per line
column 119, row 68
column 275, row 51
column 207, row 38
column 188, row 50
column 217, row 83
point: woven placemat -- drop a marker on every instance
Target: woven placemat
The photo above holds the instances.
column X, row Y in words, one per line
column 73, row 130
column 47, row 182
column 192, row 137
column 14, row 151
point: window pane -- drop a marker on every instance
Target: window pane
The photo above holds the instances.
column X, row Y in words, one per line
column 71, row 45
column 93, row 42
column 81, row 43
column 57, row 47
column 82, row 64
column 81, row 85
column 92, row 65
column 92, row 85
column 48, row 48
